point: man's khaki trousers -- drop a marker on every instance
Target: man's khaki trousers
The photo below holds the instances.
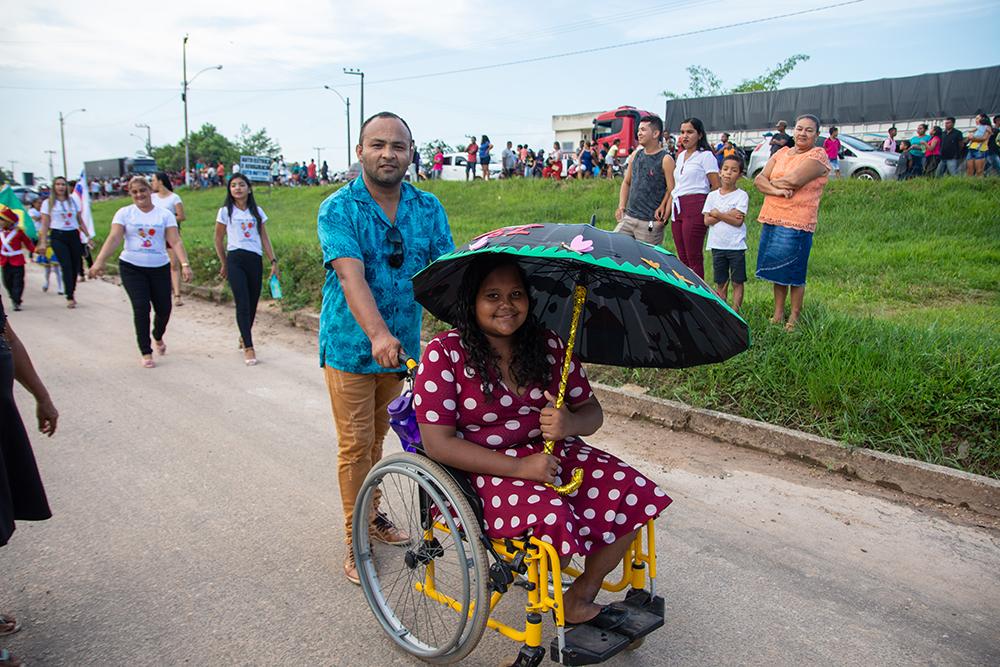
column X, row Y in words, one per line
column 359, row 404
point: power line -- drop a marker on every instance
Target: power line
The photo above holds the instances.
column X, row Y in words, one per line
column 609, row 47
column 479, row 68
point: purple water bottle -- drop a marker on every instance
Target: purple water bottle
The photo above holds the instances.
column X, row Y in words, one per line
column 403, row 420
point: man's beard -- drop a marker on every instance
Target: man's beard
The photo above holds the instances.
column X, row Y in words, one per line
column 373, row 175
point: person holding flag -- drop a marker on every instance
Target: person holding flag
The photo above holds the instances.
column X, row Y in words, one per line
column 13, row 242
column 81, row 195
column 25, row 221
column 62, row 223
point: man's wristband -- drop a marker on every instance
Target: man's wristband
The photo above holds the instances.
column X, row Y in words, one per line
column 274, row 260
column 186, row 264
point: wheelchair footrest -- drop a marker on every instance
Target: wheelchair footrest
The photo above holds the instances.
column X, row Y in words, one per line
column 645, row 614
column 587, row 645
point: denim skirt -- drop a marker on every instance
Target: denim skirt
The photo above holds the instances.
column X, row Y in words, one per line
column 783, row 255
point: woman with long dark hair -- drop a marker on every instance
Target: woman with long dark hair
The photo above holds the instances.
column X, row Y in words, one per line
column 62, row 228
column 165, row 197
column 696, row 173
column 932, row 156
column 240, row 240
column 483, row 396
column 144, row 265
column 484, row 156
column 792, row 183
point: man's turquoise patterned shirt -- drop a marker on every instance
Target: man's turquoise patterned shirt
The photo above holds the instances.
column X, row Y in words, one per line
column 351, row 224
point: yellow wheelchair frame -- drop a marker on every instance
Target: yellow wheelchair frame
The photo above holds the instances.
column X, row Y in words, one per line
column 531, row 563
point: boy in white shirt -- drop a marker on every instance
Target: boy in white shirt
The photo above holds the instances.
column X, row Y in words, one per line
column 724, row 211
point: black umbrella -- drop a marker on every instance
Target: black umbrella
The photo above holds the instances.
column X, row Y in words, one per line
column 643, row 309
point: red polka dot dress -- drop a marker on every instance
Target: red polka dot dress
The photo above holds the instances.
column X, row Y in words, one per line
column 614, row 499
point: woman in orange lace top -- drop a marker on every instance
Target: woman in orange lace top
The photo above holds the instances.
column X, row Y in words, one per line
column 792, row 183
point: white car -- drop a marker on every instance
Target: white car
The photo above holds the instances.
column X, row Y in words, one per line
column 857, row 159
column 454, row 165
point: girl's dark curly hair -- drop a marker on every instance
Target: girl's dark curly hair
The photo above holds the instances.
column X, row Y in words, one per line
column 528, row 363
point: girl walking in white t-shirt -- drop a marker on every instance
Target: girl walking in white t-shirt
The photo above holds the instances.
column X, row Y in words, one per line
column 165, row 197
column 144, row 265
column 62, row 229
column 240, row 240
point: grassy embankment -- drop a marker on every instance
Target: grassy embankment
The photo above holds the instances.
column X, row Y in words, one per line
column 899, row 346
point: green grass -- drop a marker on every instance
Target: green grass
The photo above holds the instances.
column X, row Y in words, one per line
column 899, row 348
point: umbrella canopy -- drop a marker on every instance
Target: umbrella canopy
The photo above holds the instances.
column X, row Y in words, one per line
column 644, row 309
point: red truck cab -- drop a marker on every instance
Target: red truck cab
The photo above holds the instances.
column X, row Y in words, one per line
column 623, row 124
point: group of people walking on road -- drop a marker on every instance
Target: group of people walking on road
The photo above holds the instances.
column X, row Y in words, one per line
column 696, row 193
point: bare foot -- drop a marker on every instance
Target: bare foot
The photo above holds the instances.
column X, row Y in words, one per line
column 776, row 319
column 790, row 325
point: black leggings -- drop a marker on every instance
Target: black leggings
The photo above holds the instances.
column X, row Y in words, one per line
column 68, row 250
column 245, row 271
column 144, row 286
column 13, row 280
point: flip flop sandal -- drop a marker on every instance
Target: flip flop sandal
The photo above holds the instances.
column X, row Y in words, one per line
column 8, row 660
column 8, row 625
column 608, row 618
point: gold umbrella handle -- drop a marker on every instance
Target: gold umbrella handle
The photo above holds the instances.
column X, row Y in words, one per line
column 579, row 298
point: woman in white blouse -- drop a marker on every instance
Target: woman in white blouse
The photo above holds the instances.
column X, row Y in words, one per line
column 62, row 229
column 696, row 173
column 144, row 265
column 241, row 241
column 165, row 197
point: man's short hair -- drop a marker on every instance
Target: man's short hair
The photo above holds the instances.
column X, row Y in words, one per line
column 654, row 121
column 893, row 129
column 382, row 114
column 951, row 118
column 618, row 141
column 724, row 134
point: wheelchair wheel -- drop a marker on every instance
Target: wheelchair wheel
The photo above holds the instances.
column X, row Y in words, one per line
column 416, row 590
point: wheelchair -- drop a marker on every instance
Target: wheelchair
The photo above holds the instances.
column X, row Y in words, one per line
column 434, row 596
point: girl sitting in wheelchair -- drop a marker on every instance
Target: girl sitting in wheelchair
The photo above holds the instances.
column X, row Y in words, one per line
column 483, row 396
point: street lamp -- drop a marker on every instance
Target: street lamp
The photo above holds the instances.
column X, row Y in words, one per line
column 149, row 138
column 347, row 101
column 356, row 72
column 62, row 134
column 184, row 90
column 133, row 134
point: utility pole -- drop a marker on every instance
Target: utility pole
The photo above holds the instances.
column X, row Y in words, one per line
column 62, row 135
column 13, row 179
column 149, row 138
column 184, row 98
column 347, row 103
column 52, row 173
column 318, row 149
column 356, row 72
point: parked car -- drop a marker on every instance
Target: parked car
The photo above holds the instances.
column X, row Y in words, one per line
column 453, row 167
column 25, row 193
column 857, row 159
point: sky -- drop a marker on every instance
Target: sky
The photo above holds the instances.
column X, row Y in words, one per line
column 122, row 62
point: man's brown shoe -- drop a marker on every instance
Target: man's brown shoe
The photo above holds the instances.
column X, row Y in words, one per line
column 351, row 568
column 385, row 531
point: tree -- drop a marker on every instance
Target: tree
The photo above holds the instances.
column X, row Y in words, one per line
column 772, row 78
column 257, row 143
column 428, row 150
column 703, row 82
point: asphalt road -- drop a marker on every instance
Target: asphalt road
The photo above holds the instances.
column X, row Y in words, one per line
column 197, row 521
